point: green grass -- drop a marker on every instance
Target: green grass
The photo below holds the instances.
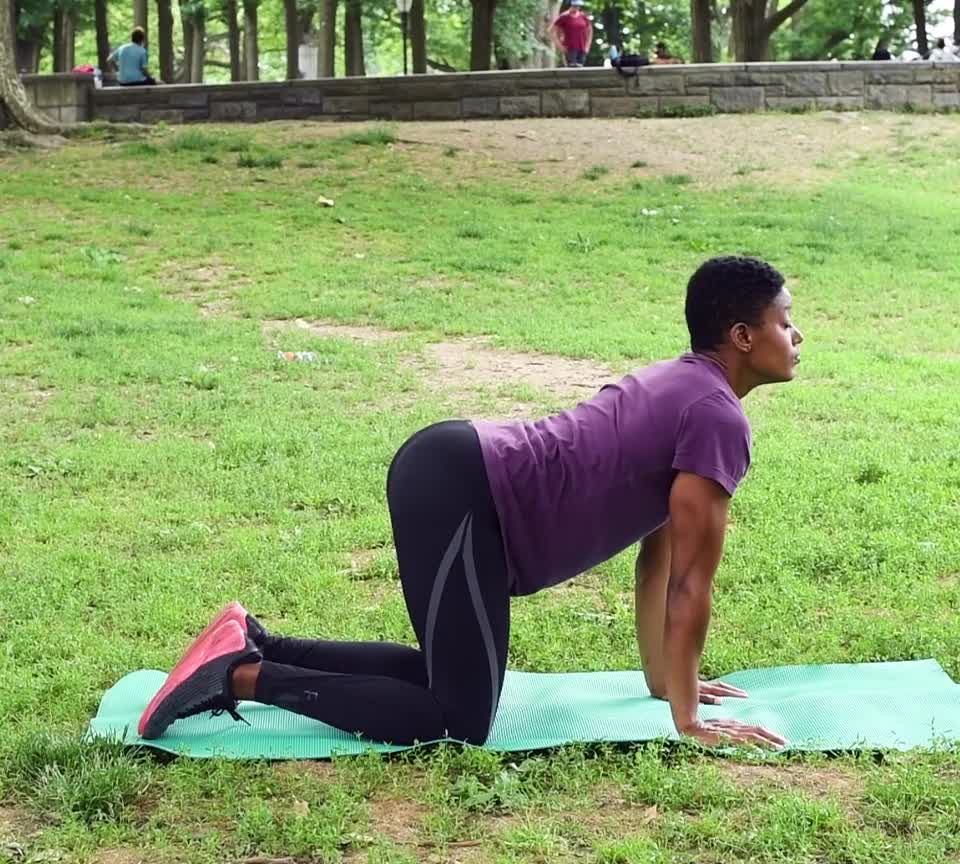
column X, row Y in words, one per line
column 156, row 461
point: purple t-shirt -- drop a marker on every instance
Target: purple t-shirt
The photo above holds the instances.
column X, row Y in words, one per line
column 575, row 489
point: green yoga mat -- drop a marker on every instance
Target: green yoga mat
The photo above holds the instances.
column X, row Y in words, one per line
column 839, row 707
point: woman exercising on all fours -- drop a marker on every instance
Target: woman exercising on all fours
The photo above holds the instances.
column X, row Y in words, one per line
column 485, row 511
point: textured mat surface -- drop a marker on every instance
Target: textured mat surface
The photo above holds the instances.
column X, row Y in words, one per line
column 836, row 707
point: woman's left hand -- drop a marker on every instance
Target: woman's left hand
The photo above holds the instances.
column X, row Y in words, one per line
column 711, row 692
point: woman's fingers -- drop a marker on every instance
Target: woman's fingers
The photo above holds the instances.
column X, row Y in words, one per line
column 721, row 688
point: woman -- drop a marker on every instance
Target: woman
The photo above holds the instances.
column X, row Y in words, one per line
column 484, row 511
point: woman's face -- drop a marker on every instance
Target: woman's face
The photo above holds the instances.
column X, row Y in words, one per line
column 775, row 342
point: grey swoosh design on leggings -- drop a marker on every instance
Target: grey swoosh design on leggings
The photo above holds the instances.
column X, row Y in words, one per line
column 445, row 564
column 470, row 570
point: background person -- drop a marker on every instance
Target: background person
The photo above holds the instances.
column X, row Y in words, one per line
column 572, row 33
column 131, row 61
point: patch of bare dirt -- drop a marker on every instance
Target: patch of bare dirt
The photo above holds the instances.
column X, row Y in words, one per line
column 463, row 367
column 817, row 782
column 355, row 332
column 725, row 149
column 397, row 819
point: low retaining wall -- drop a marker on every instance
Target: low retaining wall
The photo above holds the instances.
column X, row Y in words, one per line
column 66, row 98
column 662, row 90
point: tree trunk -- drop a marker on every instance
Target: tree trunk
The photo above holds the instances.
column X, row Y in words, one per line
column 103, row 33
column 418, row 38
column 69, row 40
column 293, row 39
column 198, row 48
column 753, row 27
column 327, row 38
column 481, row 34
column 920, row 19
column 251, row 43
column 612, row 33
column 544, row 55
column 14, row 102
column 186, row 73
column 141, row 18
column 233, row 38
column 353, row 39
column 58, row 52
column 165, row 40
column 700, row 13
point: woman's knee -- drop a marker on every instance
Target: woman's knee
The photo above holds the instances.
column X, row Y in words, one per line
column 471, row 731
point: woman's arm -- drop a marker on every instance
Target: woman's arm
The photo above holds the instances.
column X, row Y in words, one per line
column 652, row 573
column 698, row 518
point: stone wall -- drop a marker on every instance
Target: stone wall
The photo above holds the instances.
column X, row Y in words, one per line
column 593, row 92
column 65, row 98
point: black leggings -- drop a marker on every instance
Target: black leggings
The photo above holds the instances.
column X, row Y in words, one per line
column 454, row 577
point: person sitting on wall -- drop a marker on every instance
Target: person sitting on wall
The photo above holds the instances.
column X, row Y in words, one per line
column 572, row 33
column 131, row 61
column 942, row 54
column 662, row 56
column 882, row 52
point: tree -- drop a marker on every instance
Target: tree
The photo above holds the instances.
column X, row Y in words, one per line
column 233, row 38
column 753, row 27
column 326, row 38
column 842, row 30
column 251, row 45
column 293, row 38
column 418, row 37
column 141, row 18
column 165, row 39
column 353, row 38
column 481, row 34
column 920, row 19
column 956, row 21
column 14, row 102
column 103, row 33
column 194, row 17
column 701, row 13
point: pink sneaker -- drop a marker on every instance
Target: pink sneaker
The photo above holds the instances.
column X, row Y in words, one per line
column 200, row 681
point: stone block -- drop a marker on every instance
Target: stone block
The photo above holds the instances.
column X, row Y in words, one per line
column 480, row 106
column 309, row 95
column 895, row 96
column 715, row 77
column 736, row 99
column 566, row 103
column 623, row 106
column 233, row 110
column 271, row 111
column 345, row 104
column 669, row 102
column 659, row 81
column 519, row 106
column 845, row 83
column 161, row 115
column 392, row 110
column 446, row 110
column 946, row 100
column 840, row 103
column 189, row 99
column 791, row 103
column 116, row 113
column 899, row 73
column 806, row 84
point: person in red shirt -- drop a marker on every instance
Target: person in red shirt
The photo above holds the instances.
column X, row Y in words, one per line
column 572, row 33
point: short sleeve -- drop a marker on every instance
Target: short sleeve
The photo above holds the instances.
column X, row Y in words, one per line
column 714, row 441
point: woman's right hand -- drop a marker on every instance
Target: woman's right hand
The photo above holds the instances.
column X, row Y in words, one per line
column 725, row 732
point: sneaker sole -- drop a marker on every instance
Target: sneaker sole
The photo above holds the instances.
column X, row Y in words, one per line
column 187, row 663
column 193, row 691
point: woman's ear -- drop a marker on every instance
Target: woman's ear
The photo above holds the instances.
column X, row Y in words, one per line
column 741, row 338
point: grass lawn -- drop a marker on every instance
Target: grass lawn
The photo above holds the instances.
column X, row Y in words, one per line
column 157, row 459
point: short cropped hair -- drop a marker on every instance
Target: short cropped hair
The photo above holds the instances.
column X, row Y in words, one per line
column 138, row 35
column 727, row 291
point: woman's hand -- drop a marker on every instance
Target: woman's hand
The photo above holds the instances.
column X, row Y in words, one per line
column 711, row 692
column 726, row 732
